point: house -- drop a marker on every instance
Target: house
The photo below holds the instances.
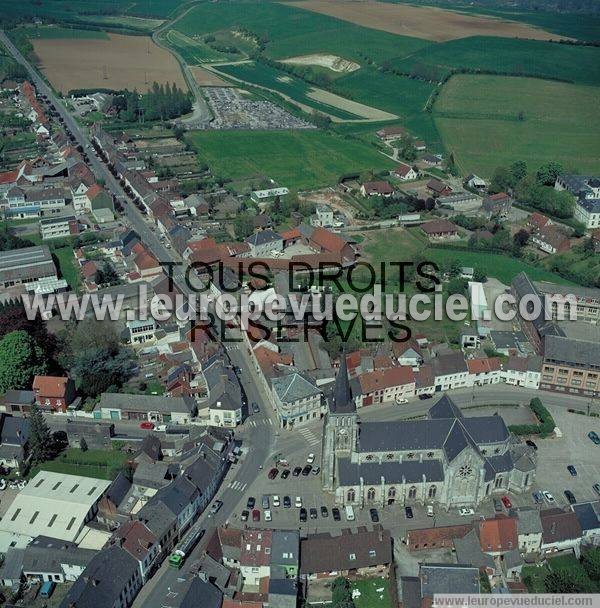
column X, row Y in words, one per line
column 440, row 229
column 323, row 216
column 224, row 402
column 536, row 221
column 432, row 160
column 498, row 535
column 18, row 401
column 263, row 243
column 497, row 206
column 529, row 529
column 111, row 579
column 484, row 371
column 264, row 196
column 255, row 557
column 438, row 188
column 460, row 201
column 475, row 182
column 363, row 553
column 59, row 227
column 297, row 399
column 391, row 133
column 551, row 239
column 561, row 531
column 439, row 579
column 438, row 537
column 523, row 371
column 112, row 511
column 587, row 211
column 408, row 353
column 420, row 145
column 34, row 203
column 14, row 437
column 30, row 265
column 588, row 516
column 394, row 384
column 53, row 393
column 285, row 553
column 450, row 371
column 141, row 544
column 404, row 172
column 378, row 188
column 469, row 338
column 153, row 408
column 46, row 559
column 580, row 186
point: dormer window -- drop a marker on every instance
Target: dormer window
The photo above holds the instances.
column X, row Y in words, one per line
column 352, row 556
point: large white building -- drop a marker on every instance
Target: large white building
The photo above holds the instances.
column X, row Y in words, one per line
column 26, row 266
column 55, row 505
column 297, row 400
column 587, row 211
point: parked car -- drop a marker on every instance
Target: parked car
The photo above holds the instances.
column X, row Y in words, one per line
column 244, row 516
column 537, row 498
column 2, row 484
column 423, row 397
column 287, row 502
column 506, row 502
column 255, row 408
column 548, row 496
column 408, row 512
column 256, row 515
column 594, row 437
column 285, row 473
column 498, row 507
column 251, row 502
column 13, row 485
column 430, row 512
column 276, row 502
column 324, row 511
column 316, row 470
column 297, row 471
column 531, row 444
column 265, row 502
column 147, row 425
column 306, row 470
column 596, row 488
column 464, row 511
column 298, row 502
column 216, row 506
column 337, row 516
column 273, row 473
column 313, row 513
column 572, row 470
column 310, row 459
column 268, row 516
column 374, row 515
column 302, row 514
column 570, row 497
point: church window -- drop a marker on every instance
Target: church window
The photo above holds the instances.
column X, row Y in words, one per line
column 371, row 494
column 429, row 454
column 410, row 455
column 369, row 457
column 465, row 471
column 390, row 456
column 412, row 493
column 350, row 496
column 432, row 491
column 392, row 493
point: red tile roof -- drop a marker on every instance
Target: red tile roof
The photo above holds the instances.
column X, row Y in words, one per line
column 379, row 187
column 482, row 366
column 8, row 177
column 538, row 220
column 498, row 534
column 442, row 226
column 386, row 378
column 288, row 235
column 50, row 386
column 328, row 241
column 428, row 538
column 256, row 548
column 145, row 261
column 402, row 170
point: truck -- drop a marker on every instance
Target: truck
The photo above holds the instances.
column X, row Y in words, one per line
column 186, row 546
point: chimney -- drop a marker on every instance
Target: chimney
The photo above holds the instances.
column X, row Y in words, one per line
column 203, row 576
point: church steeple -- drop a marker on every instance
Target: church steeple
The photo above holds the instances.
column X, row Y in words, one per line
column 342, row 393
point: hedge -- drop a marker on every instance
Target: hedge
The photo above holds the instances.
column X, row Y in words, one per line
column 543, row 429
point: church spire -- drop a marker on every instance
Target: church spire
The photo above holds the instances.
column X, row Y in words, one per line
column 342, row 393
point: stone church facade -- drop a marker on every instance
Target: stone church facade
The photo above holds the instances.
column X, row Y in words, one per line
column 445, row 459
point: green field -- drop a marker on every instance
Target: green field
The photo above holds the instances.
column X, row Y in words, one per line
column 300, row 159
column 101, row 464
column 478, row 119
column 56, row 32
column 278, row 80
column 528, row 57
column 369, row 596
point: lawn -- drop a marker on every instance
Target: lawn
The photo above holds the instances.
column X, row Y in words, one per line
column 101, row 464
column 370, row 597
column 301, row 159
column 66, row 263
column 488, row 121
column 533, row 577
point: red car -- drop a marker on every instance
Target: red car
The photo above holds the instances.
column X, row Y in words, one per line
column 506, row 502
column 147, row 425
column 273, row 473
column 256, row 515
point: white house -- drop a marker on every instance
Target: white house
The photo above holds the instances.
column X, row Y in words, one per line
column 263, row 243
column 323, row 216
column 529, row 528
column 404, row 172
column 587, row 211
column 297, row 400
column 450, row 371
column 523, row 371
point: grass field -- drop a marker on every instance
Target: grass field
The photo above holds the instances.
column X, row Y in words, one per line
column 57, row 33
column 295, row 159
column 478, row 119
column 101, row 464
column 369, row 596
column 530, row 57
column 66, row 263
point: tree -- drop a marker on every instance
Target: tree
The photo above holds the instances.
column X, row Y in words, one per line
column 41, row 445
column 20, row 360
column 502, row 180
column 107, row 275
column 243, row 225
column 518, row 170
column 567, row 581
column 479, row 276
column 83, row 446
column 98, row 369
column 341, row 595
column 521, row 238
column 546, row 175
column 591, row 563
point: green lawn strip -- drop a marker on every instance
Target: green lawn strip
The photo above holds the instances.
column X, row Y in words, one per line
column 369, row 596
column 66, row 263
column 101, row 464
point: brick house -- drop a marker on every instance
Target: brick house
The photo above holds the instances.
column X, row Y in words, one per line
column 379, row 188
column 54, row 393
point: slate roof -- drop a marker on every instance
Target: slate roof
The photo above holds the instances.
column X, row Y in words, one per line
column 14, row 430
column 588, row 515
column 146, row 403
column 45, row 554
column 178, row 495
column 103, row 580
column 293, row 387
column 591, row 205
column 566, row 350
column 118, row 489
column 262, row 237
column 285, row 548
column 409, row 471
column 342, row 401
column 559, row 525
column 157, row 517
column 528, row 521
column 468, row 551
column 448, row 578
column 445, row 408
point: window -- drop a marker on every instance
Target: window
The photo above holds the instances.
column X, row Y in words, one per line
column 351, row 496
column 412, row 492
column 410, row 455
column 392, row 493
column 372, row 553
column 52, row 519
column 371, row 494
column 34, row 517
column 429, row 454
column 352, row 556
column 432, row 491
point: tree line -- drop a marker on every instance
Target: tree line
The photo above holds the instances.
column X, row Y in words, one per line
column 161, row 102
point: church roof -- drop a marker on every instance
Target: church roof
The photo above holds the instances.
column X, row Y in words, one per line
column 342, row 393
column 410, row 471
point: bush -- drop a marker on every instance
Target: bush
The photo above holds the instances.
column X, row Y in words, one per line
column 543, row 429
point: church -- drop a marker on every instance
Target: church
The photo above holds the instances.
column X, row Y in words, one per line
column 446, row 459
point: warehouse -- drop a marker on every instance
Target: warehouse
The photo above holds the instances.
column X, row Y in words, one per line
column 28, row 265
column 54, row 505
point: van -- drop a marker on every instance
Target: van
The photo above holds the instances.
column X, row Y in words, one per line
column 349, row 513
column 47, row 589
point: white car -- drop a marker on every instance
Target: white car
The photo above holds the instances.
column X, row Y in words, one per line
column 13, row 485
column 22, row 484
column 310, row 459
column 2, row 484
column 298, row 502
column 548, row 496
column 267, row 514
column 464, row 511
column 276, row 502
column 429, row 510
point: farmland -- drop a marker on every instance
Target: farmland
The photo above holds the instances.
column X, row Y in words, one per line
column 295, row 159
column 115, row 62
column 421, row 22
column 489, row 121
